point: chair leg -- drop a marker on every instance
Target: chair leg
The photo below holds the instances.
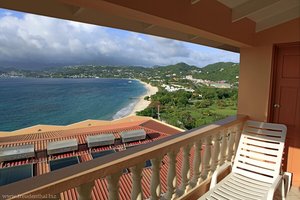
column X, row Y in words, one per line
column 283, row 193
column 287, row 176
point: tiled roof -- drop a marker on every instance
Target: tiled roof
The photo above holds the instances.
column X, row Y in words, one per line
column 79, row 125
column 40, row 140
column 154, row 129
column 164, row 128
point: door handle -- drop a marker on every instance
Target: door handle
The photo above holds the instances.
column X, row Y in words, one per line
column 276, row 106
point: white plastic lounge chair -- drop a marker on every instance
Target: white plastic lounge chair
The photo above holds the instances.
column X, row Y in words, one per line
column 256, row 169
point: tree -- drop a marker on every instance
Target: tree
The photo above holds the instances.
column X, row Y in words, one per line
column 182, row 101
column 223, row 93
column 204, row 103
column 209, row 93
column 150, row 112
column 146, row 98
column 188, row 120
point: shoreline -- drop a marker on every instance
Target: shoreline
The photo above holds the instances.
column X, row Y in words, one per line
column 142, row 104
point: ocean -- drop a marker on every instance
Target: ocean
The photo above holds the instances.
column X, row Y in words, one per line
column 26, row 102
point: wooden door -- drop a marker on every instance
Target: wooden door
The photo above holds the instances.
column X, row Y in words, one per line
column 286, row 103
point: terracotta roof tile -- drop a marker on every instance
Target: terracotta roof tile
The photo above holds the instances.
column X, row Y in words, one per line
column 160, row 127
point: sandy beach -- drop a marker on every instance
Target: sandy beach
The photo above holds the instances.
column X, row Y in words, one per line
column 141, row 103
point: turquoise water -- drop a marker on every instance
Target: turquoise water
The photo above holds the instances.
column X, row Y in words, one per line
column 29, row 101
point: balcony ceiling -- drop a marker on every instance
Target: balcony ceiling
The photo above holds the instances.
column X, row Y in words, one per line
column 223, row 24
column 265, row 13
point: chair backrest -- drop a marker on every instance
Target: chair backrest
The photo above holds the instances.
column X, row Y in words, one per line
column 260, row 151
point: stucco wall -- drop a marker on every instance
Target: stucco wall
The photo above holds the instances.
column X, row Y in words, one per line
column 255, row 69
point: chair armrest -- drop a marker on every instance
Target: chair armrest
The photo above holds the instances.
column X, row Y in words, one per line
column 273, row 187
column 215, row 175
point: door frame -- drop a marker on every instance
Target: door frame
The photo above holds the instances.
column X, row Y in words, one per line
column 274, row 66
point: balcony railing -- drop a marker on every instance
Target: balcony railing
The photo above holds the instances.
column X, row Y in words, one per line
column 202, row 151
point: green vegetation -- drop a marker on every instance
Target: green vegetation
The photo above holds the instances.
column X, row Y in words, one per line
column 182, row 69
column 220, row 71
column 188, row 110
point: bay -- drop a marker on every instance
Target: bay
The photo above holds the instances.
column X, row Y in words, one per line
column 26, row 102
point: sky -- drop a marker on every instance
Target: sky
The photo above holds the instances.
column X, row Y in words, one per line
column 30, row 42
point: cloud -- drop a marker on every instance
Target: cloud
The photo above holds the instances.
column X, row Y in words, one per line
column 31, row 41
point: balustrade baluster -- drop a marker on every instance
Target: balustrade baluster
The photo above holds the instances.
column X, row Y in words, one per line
column 155, row 189
column 224, row 150
column 238, row 131
column 216, row 152
column 230, row 144
column 85, row 191
column 113, row 186
column 197, row 163
column 207, row 158
column 185, row 170
column 136, row 192
column 172, row 180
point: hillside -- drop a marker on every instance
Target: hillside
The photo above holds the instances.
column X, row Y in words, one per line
column 221, row 71
column 227, row 71
column 179, row 68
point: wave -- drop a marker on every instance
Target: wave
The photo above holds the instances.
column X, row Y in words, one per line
column 125, row 111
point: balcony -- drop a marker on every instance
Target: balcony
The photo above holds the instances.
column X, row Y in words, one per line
column 182, row 165
column 201, row 152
